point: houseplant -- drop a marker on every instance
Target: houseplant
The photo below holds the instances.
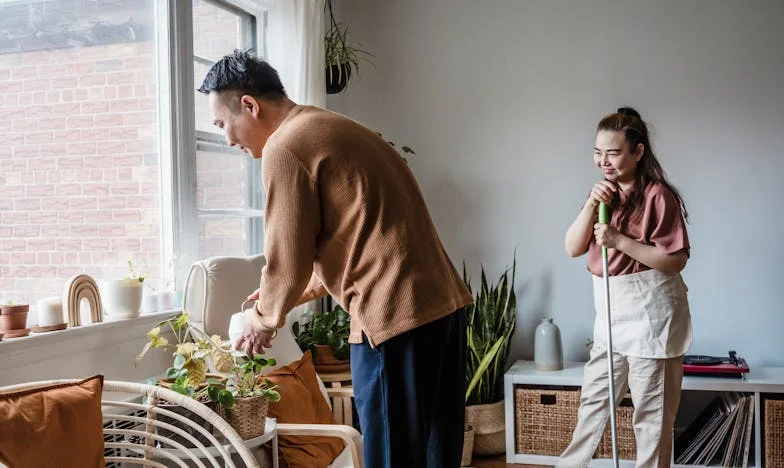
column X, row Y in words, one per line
column 194, row 356
column 204, row 369
column 13, row 319
column 123, row 298
column 326, row 335
column 341, row 57
column 490, row 323
column 244, row 397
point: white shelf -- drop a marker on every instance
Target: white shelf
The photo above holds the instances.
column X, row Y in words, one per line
column 759, row 380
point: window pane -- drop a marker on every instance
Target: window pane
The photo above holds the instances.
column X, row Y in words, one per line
column 216, row 31
column 201, row 101
column 222, row 180
column 224, row 235
column 79, row 169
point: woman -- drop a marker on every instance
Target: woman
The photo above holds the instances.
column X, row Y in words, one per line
column 648, row 246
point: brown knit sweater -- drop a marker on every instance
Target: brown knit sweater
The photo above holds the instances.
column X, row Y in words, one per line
column 345, row 216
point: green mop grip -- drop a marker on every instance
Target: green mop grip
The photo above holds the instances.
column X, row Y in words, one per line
column 604, row 218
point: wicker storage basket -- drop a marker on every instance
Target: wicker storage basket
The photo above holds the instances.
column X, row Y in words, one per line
column 248, row 416
column 774, row 431
column 545, row 420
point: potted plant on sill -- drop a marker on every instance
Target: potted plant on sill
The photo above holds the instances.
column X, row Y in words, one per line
column 13, row 319
column 341, row 58
column 326, row 335
column 122, row 299
column 490, row 323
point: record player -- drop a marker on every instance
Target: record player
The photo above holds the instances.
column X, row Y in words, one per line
column 710, row 366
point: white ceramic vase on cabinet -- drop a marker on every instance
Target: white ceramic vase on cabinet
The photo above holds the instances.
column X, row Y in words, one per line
column 548, row 352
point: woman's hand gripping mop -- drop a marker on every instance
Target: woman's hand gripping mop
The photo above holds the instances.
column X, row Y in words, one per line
column 604, row 218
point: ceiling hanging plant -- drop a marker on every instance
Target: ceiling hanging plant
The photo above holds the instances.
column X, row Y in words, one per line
column 341, row 57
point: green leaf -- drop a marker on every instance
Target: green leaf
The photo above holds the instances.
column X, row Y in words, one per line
column 214, row 393
column 172, row 373
column 179, row 361
column 182, row 319
column 488, row 358
column 226, row 399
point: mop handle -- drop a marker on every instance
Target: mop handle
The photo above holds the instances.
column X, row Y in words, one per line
column 604, row 218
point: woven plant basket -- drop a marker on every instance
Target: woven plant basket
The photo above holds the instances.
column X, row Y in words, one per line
column 248, row 416
column 468, row 445
column 488, row 423
column 774, row 427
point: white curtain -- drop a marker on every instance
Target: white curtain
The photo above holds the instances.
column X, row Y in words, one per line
column 296, row 48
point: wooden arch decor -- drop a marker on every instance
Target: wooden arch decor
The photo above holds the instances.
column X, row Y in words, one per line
column 77, row 288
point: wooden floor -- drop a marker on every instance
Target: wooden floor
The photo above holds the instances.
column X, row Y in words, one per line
column 497, row 462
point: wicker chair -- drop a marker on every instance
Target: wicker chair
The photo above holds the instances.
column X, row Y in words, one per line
column 140, row 431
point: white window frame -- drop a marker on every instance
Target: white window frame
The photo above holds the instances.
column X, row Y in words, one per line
column 179, row 140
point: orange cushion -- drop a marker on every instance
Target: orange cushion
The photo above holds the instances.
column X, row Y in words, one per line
column 302, row 402
column 56, row 425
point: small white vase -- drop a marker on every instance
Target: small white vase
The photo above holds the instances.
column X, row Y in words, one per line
column 149, row 302
column 548, row 352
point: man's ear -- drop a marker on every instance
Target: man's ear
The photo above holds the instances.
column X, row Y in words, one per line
column 250, row 104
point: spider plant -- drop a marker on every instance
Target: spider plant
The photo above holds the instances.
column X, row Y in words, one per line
column 341, row 57
column 490, row 323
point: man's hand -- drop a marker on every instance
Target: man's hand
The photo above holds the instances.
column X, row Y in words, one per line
column 255, row 337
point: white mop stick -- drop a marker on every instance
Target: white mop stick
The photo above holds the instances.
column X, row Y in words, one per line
column 604, row 218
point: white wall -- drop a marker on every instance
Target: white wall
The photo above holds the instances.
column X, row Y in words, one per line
column 500, row 99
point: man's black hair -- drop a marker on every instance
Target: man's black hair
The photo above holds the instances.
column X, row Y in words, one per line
column 243, row 72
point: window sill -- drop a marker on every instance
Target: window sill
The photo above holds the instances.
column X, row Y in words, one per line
column 107, row 348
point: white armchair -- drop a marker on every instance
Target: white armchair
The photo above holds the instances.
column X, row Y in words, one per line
column 215, row 290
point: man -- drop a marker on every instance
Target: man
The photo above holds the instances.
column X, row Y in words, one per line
column 345, row 217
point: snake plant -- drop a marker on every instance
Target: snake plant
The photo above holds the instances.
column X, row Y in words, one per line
column 490, row 323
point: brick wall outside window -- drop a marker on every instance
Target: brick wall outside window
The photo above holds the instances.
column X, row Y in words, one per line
column 79, row 165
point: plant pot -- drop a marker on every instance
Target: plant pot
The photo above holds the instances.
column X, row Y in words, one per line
column 468, row 445
column 14, row 317
column 248, row 416
column 337, row 81
column 121, row 299
column 324, row 360
column 489, row 431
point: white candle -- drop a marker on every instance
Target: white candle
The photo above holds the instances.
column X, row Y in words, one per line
column 50, row 311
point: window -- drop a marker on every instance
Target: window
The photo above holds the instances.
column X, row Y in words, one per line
column 79, row 166
column 109, row 154
column 229, row 197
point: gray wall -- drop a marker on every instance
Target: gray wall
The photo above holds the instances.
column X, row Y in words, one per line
column 500, row 99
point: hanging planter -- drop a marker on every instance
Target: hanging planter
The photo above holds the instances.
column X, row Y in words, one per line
column 341, row 58
column 337, row 77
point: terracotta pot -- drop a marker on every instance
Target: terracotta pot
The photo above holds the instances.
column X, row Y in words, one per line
column 13, row 317
column 324, row 360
